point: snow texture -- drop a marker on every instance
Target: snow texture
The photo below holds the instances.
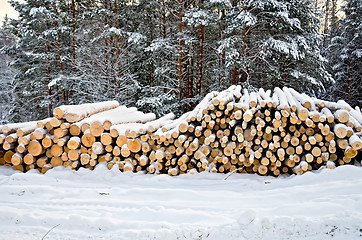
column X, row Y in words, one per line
column 103, row 204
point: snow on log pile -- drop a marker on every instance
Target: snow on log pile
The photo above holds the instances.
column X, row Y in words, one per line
column 264, row 132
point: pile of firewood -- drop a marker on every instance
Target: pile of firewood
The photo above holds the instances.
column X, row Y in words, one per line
column 262, row 132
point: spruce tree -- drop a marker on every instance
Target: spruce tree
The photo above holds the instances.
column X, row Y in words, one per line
column 36, row 59
column 287, row 52
column 346, row 55
column 6, row 72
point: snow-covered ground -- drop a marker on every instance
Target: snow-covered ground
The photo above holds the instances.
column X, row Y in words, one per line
column 103, row 204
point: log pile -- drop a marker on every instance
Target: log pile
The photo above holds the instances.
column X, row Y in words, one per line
column 264, row 132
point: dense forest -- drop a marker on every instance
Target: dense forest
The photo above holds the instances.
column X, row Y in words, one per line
column 165, row 55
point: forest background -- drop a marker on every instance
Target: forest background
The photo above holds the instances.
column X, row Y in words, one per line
column 165, row 55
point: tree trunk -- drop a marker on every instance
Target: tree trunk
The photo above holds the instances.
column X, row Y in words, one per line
column 326, row 22
column 285, row 71
column 234, row 76
column 242, row 72
column 350, row 80
column 223, row 55
column 334, row 17
column 191, row 74
column 47, row 51
column 73, row 36
column 117, row 43
column 201, row 53
column 106, row 50
column 59, row 48
column 179, row 64
column 163, row 24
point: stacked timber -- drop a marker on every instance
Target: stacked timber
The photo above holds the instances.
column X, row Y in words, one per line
column 264, row 132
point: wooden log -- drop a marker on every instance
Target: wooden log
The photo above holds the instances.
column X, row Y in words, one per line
column 73, row 154
column 47, row 141
column 350, row 152
column 248, row 115
column 54, row 122
column 330, row 165
column 305, row 100
column 354, row 123
column 29, row 159
column 325, row 130
column 108, row 148
column 340, row 130
column 121, row 140
column 341, row 115
column 328, row 114
column 8, row 146
column 116, row 151
column 48, row 126
column 74, row 143
column 88, row 139
column 283, row 101
column 98, row 148
column 134, row 145
column 316, row 152
column 96, row 128
column 40, row 124
column 75, row 164
column 65, row 125
column 123, row 120
column 17, row 159
column 93, row 162
column 56, row 161
column 42, row 161
column 355, row 142
column 85, row 158
column 315, row 116
column 64, row 156
column 58, row 132
column 75, row 113
column 56, row 150
column 13, row 127
column 342, row 143
column 253, row 99
column 75, row 130
column 106, row 139
column 25, row 130
column 7, row 156
column 265, row 95
column 35, row 148
column 143, row 161
column 125, row 152
column 290, row 150
column 61, row 141
column 290, row 98
column 38, row 134
column 2, row 138
column 146, row 147
column 173, row 171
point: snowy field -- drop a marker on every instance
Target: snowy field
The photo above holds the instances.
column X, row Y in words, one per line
column 103, row 204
